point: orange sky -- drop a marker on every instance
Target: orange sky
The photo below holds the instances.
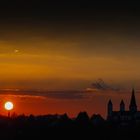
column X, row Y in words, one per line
column 38, row 63
column 92, row 102
column 62, row 64
column 52, row 56
column 35, row 62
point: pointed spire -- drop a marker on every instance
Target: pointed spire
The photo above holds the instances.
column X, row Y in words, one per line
column 122, row 102
column 110, row 102
column 122, row 106
column 133, row 105
column 133, row 100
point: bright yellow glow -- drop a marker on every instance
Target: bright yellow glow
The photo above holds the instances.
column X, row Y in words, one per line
column 8, row 105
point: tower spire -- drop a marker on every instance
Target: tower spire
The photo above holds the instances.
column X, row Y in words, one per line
column 122, row 106
column 110, row 108
column 133, row 105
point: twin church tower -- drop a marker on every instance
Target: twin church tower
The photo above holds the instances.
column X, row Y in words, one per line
column 122, row 114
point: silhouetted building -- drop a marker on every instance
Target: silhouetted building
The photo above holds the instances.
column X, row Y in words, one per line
column 124, row 115
column 97, row 119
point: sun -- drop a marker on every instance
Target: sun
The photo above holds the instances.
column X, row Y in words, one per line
column 8, row 105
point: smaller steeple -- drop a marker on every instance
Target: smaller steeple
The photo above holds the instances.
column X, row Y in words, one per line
column 110, row 108
column 122, row 106
column 110, row 102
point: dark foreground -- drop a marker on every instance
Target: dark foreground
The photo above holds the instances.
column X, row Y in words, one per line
column 61, row 127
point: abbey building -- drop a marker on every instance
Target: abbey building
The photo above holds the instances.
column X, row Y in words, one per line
column 124, row 115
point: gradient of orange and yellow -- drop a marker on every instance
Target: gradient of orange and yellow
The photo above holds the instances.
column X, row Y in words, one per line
column 52, row 55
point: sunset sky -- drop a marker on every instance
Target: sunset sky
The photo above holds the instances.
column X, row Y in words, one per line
column 53, row 53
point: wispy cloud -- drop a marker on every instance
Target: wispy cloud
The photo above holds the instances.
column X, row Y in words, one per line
column 45, row 94
column 100, row 85
column 23, row 97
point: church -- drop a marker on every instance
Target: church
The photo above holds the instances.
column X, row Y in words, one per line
column 124, row 115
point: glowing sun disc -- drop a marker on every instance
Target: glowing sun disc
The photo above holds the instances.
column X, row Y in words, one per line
column 8, row 105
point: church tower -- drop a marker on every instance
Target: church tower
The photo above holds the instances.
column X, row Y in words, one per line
column 110, row 108
column 122, row 106
column 133, row 105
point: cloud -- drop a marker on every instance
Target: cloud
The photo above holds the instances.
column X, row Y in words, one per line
column 70, row 95
column 23, row 97
column 100, row 85
column 66, row 94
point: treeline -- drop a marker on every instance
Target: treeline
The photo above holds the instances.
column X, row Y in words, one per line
column 48, row 127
